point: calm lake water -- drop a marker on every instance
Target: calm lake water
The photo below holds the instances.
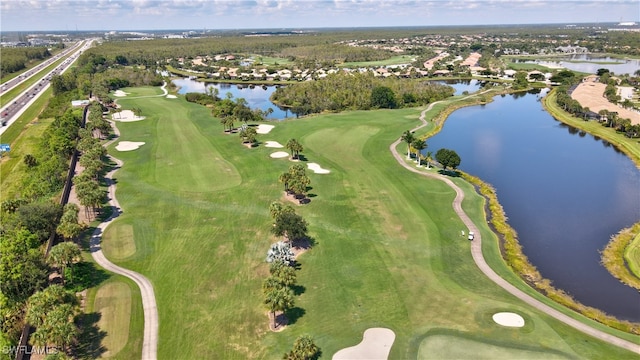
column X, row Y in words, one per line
column 564, row 191
column 461, row 86
column 590, row 64
column 257, row 97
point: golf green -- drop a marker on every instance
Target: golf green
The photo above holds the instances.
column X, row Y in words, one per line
column 388, row 250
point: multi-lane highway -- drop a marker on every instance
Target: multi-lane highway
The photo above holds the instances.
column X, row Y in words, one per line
column 14, row 108
column 7, row 86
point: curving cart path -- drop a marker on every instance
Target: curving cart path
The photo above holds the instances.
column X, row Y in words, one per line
column 150, row 309
column 478, row 258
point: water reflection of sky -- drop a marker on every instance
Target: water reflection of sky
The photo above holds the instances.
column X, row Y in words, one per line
column 461, row 86
column 588, row 64
column 257, row 97
column 565, row 192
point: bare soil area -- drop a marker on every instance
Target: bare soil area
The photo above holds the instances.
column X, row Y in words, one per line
column 590, row 94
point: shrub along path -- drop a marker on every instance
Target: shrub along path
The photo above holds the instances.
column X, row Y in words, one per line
column 478, row 258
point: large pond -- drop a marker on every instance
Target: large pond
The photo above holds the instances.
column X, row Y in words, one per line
column 564, row 191
column 590, row 64
column 257, row 97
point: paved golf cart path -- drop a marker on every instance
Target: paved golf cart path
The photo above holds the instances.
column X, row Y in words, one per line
column 150, row 309
column 478, row 258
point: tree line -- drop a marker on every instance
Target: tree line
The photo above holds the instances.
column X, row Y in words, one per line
column 30, row 217
column 341, row 91
column 16, row 59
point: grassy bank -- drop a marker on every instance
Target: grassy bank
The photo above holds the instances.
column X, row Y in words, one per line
column 629, row 146
column 388, row 247
column 621, row 256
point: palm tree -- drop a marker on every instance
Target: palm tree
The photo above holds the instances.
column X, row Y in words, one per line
column 285, row 178
column 303, row 349
column 429, row 159
column 275, row 209
column 419, row 145
column 283, row 273
column 408, row 137
column 63, row 255
column 278, row 299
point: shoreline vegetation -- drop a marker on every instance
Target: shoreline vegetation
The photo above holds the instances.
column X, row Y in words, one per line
column 618, row 256
column 510, row 248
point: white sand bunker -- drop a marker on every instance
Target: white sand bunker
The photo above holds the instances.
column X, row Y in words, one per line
column 264, row 129
column 508, row 319
column 279, row 154
column 126, row 116
column 273, row 144
column 128, row 145
column 317, row 168
column 119, row 93
column 376, row 344
column 171, row 97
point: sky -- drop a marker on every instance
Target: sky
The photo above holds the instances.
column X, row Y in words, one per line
column 108, row 15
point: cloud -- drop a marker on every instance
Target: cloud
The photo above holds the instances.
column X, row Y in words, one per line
column 189, row 14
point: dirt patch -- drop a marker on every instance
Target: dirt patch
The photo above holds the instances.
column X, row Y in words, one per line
column 281, row 321
column 590, row 94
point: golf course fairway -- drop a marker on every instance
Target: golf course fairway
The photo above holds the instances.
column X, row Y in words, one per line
column 388, row 246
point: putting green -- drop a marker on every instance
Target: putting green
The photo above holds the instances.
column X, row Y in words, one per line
column 113, row 302
column 460, row 347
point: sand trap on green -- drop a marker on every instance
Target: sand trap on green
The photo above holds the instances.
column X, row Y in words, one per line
column 128, row 145
column 458, row 347
column 118, row 242
column 376, row 344
column 171, row 96
column 113, row 302
column 279, row 154
column 120, row 93
column 273, row 144
column 317, row 168
column 508, row 319
column 264, row 129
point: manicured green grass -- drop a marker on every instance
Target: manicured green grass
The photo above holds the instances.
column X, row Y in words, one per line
column 632, row 256
column 113, row 302
column 394, row 60
column 269, row 60
column 388, row 247
column 115, row 308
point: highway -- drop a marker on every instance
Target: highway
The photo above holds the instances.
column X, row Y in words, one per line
column 11, row 111
column 7, row 86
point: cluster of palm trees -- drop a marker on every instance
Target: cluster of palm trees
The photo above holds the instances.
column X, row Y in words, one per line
column 248, row 135
column 69, row 228
column 277, row 288
column 295, row 180
column 96, row 123
column 87, row 183
column 294, row 147
column 417, row 145
column 51, row 311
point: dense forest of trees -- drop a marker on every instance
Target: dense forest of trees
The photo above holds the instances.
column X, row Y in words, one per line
column 340, row 91
column 16, row 59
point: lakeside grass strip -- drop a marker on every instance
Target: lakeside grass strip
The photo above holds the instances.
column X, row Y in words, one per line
column 621, row 256
column 629, row 146
column 518, row 261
